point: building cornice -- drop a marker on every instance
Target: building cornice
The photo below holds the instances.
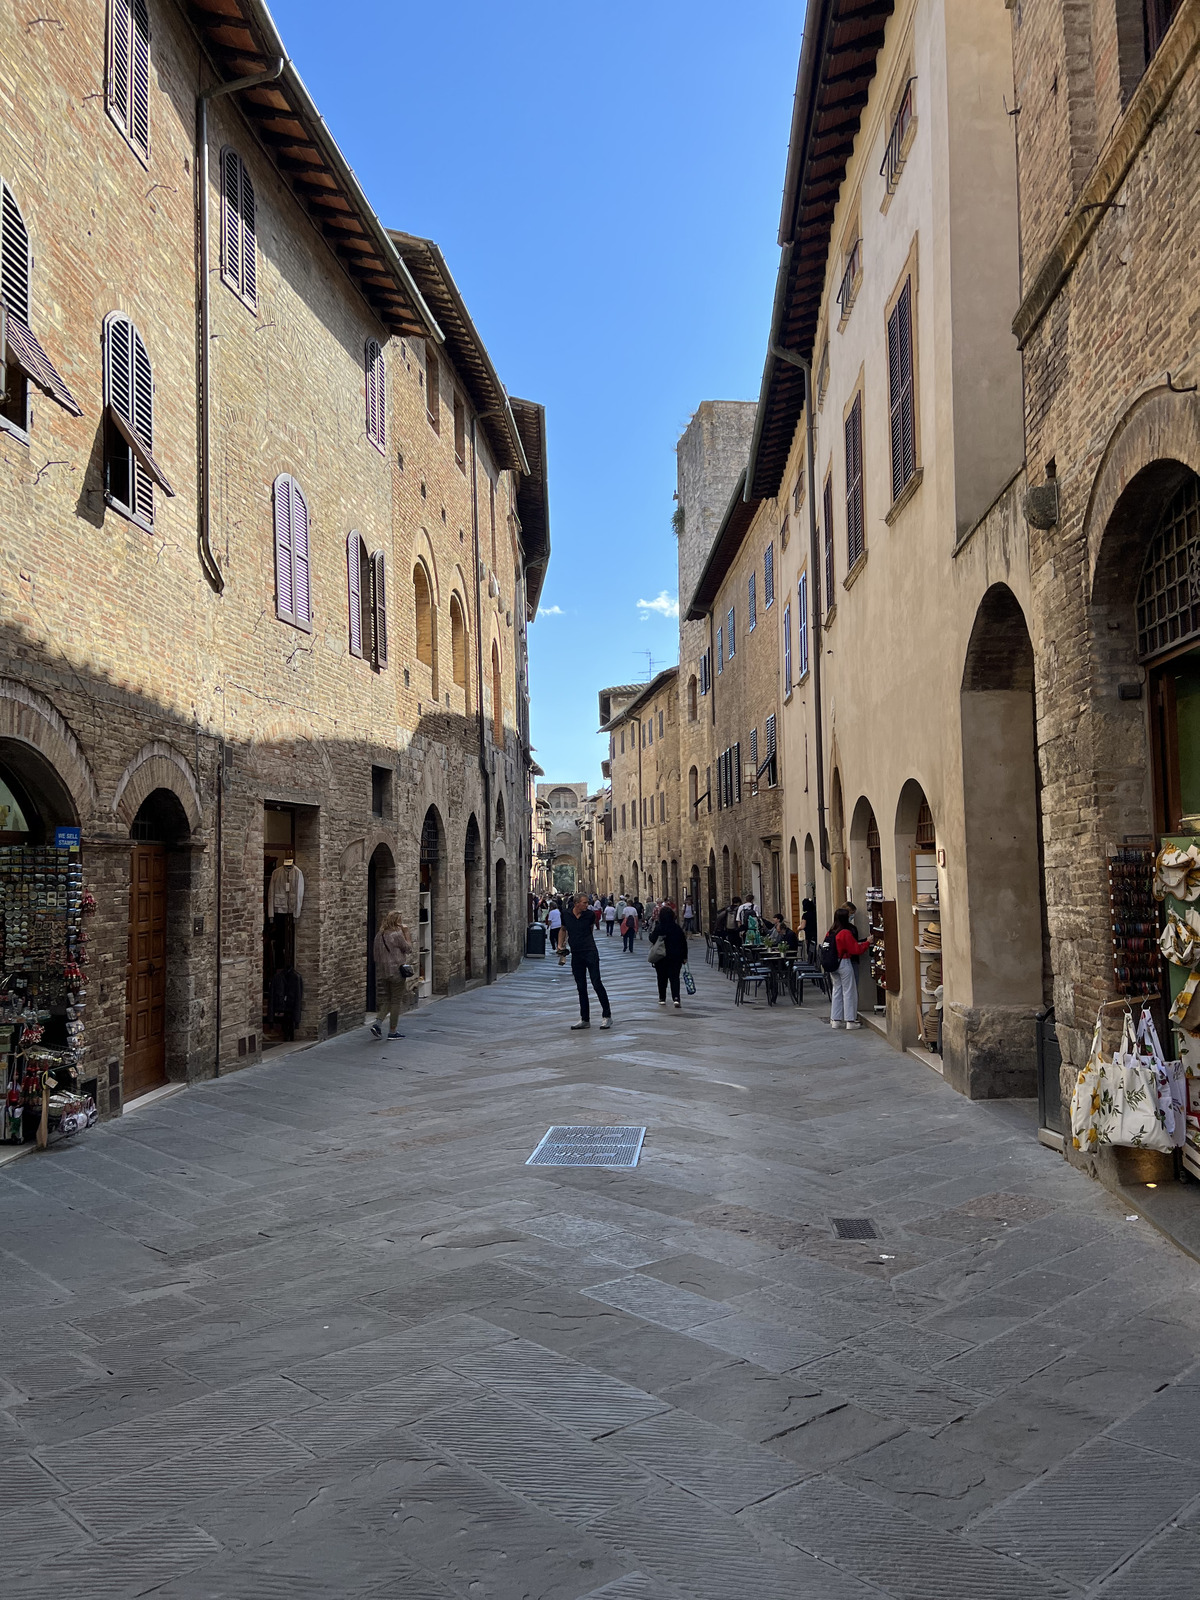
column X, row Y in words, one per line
column 1150, row 99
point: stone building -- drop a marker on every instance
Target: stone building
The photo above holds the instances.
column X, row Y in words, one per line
column 272, row 533
column 1109, row 164
column 642, row 723
column 561, row 815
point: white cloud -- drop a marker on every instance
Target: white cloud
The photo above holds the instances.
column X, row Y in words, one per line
column 664, row 605
column 551, row 611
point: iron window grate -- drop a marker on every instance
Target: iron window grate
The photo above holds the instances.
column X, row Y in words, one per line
column 588, row 1145
column 854, row 1228
column 1168, row 600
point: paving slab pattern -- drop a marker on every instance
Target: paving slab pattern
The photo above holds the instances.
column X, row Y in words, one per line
column 315, row 1330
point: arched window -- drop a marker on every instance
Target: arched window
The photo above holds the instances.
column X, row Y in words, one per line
column 458, row 641
column 127, row 90
column 239, row 244
column 376, row 374
column 497, row 697
column 500, row 817
column 130, row 470
column 691, row 698
column 293, row 590
column 693, row 792
column 423, row 600
column 1168, row 603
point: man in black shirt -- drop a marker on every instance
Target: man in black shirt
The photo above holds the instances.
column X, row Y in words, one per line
column 580, row 926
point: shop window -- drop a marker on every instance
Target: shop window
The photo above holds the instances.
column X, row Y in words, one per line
column 433, row 387
column 239, row 246
column 127, row 83
column 376, row 387
column 293, row 590
column 130, row 470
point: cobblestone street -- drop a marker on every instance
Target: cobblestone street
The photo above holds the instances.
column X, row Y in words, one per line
column 316, row 1330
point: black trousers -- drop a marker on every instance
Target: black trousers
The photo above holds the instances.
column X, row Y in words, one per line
column 668, row 972
column 583, row 967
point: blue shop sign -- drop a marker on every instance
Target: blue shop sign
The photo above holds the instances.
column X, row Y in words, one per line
column 67, row 838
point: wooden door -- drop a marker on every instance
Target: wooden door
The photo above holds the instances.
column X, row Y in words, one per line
column 146, row 972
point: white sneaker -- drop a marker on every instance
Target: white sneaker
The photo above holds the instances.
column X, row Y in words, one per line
column 606, row 1022
column 836, row 1024
column 851, row 1024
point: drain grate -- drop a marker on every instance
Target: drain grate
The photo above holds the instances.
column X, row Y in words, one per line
column 585, row 1145
column 854, row 1228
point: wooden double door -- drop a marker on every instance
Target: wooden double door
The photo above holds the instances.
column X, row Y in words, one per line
column 146, row 972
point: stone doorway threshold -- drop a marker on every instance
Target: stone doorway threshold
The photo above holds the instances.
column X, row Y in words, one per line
column 152, row 1097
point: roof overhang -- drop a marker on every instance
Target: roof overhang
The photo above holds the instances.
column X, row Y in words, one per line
column 735, row 525
column 842, row 41
column 533, row 499
column 646, row 691
column 464, row 347
column 240, row 39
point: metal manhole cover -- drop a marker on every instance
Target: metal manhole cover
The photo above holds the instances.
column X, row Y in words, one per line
column 586, row 1145
column 854, row 1228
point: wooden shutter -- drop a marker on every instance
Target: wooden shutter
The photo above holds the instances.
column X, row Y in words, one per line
column 285, row 605
column 787, row 648
column 120, row 25
column 139, row 63
column 14, row 259
column 127, row 93
column 802, row 622
column 249, row 239
column 900, row 391
column 376, row 374
column 769, row 574
column 737, row 769
column 828, row 509
column 354, row 588
column 301, row 585
column 231, row 220
column 753, row 602
column 129, row 400
column 855, row 531
column 379, row 607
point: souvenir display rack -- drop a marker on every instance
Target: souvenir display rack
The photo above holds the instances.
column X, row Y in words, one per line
column 1135, row 921
column 425, row 946
column 878, row 955
column 927, row 942
column 42, row 991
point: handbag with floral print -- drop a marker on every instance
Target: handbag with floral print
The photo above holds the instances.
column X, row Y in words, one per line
column 1092, row 1105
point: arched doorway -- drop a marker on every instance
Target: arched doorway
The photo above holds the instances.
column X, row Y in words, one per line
column 664, row 885
column 158, row 888
column 794, row 884
column 473, row 932
column 924, row 934
column 675, row 886
column 381, row 898
column 694, row 893
column 500, row 917
column 865, row 888
column 837, row 840
column 431, row 916
column 726, row 881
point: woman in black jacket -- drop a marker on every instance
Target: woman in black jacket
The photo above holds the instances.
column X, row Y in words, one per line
column 669, row 968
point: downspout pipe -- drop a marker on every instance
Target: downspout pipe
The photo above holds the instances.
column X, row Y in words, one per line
column 814, row 557
column 484, row 772
column 207, row 560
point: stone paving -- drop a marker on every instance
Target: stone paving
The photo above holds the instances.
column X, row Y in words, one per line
column 316, row 1330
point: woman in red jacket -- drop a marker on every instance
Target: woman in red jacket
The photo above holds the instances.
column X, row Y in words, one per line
column 843, row 1012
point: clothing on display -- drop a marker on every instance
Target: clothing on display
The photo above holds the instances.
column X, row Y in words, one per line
column 285, row 894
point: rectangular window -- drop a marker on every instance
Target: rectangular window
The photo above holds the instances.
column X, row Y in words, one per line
column 754, row 760
column 127, row 91
column 752, row 605
column 460, row 433
column 1159, row 16
column 704, row 673
column 802, row 625
column 622, row 819
column 787, row 649
column 433, row 387
column 855, row 525
column 732, row 621
column 239, row 247
column 492, row 516
column 376, row 394
column 901, row 398
column 293, row 590
column 381, row 792
column 650, row 732
column 720, row 652
column 828, row 509
column 660, row 724
column 798, row 493
column 622, row 741
column 769, row 576
column 708, row 785
column 643, row 811
column 772, row 770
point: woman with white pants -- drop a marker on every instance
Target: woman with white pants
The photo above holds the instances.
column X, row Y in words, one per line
column 843, row 1012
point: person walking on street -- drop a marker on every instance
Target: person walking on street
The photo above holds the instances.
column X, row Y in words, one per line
column 808, row 926
column 641, row 917
column 390, row 953
column 579, row 925
column 668, row 969
column 689, row 918
column 843, row 1011
column 610, row 918
column 629, row 928
column 554, row 925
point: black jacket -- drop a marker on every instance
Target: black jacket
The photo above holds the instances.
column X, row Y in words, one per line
column 672, row 935
column 581, row 931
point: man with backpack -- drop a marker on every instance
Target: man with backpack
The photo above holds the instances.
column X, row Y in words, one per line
column 838, row 953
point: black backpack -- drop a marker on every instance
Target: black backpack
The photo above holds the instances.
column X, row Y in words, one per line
column 827, row 952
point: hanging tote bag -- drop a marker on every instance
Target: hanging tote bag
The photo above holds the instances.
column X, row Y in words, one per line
column 1091, row 1098
column 1137, row 1122
column 689, row 983
column 1171, row 1077
column 658, row 952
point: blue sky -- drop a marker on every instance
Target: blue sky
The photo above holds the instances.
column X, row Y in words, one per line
column 605, row 184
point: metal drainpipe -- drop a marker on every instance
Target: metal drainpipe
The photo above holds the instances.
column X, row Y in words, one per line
column 207, row 560
column 814, row 556
column 483, row 763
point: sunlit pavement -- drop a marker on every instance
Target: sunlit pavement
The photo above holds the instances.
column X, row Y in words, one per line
column 316, row 1330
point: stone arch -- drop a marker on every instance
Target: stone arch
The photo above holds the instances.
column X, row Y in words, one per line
column 157, row 766
column 381, row 898
column 473, row 913
column 422, row 551
column 500, row 820
column 28, row 718
column 863, row 860
column 837, row 838
column 433, row 932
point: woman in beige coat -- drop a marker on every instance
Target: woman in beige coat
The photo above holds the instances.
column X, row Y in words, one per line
column 391, row 951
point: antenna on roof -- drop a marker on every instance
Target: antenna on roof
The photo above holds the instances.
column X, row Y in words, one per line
column 649, row 655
